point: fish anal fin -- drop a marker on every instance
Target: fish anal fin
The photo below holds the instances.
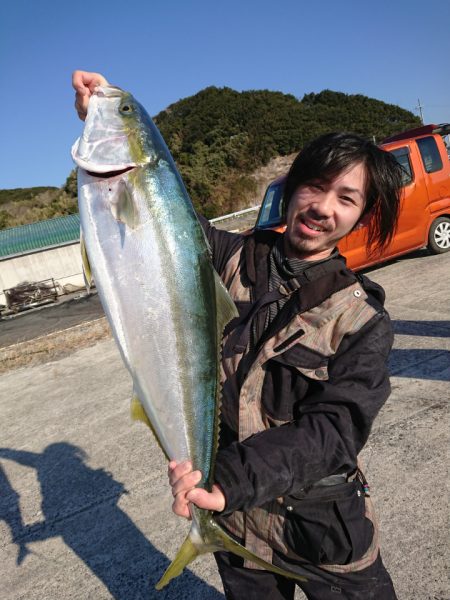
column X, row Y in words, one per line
column 87, row 271
column 138, row 414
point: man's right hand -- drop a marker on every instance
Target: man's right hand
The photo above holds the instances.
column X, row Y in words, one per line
column 84, row 84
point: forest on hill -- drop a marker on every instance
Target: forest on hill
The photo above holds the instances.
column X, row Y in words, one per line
column 220, row 137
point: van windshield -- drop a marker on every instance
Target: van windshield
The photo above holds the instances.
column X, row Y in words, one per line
column 271, row 208
column 402, row 156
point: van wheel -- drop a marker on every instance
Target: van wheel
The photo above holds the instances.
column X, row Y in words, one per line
column 439, row 236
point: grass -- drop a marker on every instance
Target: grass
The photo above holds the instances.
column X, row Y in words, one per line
column 54, row 345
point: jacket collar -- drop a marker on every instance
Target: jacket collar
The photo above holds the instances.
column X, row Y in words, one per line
column 317, row 283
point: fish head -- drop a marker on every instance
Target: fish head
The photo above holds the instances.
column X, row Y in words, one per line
column 118, row 134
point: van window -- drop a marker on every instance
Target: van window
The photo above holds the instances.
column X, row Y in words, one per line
column 272, row 206
column 446, row 139
column 402, row 156
column 430, row 154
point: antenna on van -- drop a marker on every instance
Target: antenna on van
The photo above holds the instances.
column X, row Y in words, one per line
column 419, row 108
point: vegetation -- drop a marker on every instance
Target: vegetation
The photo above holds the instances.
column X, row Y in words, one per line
column 219, row 137
column 20, row 206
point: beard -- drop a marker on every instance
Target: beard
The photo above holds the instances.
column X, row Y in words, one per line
column 297, row 246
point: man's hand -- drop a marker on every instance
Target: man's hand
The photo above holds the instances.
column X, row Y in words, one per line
column 183, row 481
column 84, row 84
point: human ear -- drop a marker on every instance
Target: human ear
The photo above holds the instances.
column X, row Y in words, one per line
column 363, row 221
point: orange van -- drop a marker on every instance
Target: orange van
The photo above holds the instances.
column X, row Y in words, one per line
column 425, row 209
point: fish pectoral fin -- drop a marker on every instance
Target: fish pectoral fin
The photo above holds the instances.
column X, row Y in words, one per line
column 186, row 554
column 123, row 209
column 87, row 272
column 138, row 413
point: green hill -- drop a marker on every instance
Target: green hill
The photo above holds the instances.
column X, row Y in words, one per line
column 220, row 137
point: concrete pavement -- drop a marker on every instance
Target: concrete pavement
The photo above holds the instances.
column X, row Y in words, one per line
column 84, row 503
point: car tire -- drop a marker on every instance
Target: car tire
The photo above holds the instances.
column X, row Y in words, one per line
column 439, row 236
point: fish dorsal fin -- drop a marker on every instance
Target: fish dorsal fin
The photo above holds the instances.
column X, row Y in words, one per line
column 226, row 311
column 87, row 272
column 226, row 308
column 138, row 414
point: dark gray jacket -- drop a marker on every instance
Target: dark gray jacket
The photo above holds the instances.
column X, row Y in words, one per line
column 318, row 376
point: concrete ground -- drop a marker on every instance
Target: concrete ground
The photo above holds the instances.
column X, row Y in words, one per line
column 84, row 502
column 68, row 311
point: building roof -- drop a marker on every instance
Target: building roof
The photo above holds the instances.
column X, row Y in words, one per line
column 38, row 236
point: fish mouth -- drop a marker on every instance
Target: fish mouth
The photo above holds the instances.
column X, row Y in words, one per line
column 110, row 174
column 109, row 91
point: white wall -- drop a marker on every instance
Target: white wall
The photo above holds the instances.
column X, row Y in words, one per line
column 62, row 263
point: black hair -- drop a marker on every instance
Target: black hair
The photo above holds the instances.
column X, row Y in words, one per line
column 332, row 154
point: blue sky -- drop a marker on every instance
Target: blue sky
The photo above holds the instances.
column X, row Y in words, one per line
column 393, row 50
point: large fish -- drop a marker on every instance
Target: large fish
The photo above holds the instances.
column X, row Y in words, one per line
column 166, row 305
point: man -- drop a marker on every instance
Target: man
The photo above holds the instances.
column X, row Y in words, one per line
column 304, row 374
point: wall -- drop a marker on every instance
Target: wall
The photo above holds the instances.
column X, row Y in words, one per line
column 62, row 263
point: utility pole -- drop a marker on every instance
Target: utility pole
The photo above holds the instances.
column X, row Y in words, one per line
column 419, row 107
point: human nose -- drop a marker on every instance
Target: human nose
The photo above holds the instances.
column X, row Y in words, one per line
column 323, row 205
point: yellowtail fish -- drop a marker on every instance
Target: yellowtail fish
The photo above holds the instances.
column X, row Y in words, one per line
column 166, row 305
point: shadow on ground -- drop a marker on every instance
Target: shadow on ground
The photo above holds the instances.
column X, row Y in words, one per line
column 417, row 254
column 420, row 364
column 80, row 505
column 422, row 328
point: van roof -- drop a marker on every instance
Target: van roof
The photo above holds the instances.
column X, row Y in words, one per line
column 442, row 129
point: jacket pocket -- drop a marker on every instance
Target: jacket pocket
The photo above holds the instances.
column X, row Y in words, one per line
column 305, row 360
column 285, row 384
column 329, row 525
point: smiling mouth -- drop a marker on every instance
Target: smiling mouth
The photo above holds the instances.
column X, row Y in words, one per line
column 312, row 225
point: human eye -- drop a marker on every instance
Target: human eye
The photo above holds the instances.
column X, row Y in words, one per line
column 348, row 199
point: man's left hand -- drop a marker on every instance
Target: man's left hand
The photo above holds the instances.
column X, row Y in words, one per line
column 183, row 481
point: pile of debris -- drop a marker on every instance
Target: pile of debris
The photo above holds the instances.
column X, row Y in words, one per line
column 28, row 295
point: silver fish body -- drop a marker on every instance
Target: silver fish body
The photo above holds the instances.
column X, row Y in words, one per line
column 156, row 284
column 165, row 303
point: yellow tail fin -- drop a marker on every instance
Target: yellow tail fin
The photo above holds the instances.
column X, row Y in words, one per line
column 186, row 554
column 212, row 539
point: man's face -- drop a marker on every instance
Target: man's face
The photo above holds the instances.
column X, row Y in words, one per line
column 321, row 213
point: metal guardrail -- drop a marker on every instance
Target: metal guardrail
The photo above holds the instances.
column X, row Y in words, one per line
column 235, row 214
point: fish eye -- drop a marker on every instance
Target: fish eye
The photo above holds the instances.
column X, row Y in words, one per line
column 126, row 109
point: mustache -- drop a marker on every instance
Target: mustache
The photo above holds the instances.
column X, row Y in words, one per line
column 323, row 223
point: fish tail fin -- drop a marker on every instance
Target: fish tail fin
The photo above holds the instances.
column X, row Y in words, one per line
column 185, row 555
column 213, row 538
column 227, row 543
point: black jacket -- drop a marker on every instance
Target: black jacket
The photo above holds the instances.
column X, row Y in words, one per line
column 329, row 421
